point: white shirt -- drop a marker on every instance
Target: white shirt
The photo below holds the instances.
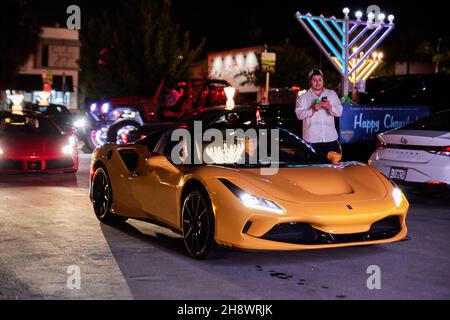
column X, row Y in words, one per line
column 318, row 126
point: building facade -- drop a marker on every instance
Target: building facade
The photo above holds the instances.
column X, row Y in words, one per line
column 240, row 67
column 56, row 62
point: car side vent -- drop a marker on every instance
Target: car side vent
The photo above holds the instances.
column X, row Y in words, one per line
column 130, row 158
column 246, row 227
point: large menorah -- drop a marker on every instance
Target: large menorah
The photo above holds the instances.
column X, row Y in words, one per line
column 342, row 40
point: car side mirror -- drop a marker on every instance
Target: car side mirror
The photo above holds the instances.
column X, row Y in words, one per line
column 334, row 157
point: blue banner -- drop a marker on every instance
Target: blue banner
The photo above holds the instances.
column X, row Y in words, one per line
column 363, row 122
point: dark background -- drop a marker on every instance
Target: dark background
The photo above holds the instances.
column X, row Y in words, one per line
column 235, row 24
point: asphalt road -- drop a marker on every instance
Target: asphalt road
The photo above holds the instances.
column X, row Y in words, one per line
column 47, row 225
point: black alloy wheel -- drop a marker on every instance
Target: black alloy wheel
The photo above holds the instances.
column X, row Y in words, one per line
column 198, row 224
column 102, row 198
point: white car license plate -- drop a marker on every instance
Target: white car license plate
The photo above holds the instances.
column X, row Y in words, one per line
column 398, row 173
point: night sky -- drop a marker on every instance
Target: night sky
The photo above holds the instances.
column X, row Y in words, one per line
column 233, row 24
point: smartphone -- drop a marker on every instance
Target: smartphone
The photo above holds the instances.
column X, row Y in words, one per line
column 324, row 99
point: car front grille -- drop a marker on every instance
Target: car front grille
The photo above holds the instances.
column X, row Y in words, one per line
column 59, row 163
column 34, row 165
column 304, row 233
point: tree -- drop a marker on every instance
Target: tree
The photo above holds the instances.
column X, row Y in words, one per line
column 127, row 51
column 19, row 37
column 293, row 65
column 437, row 53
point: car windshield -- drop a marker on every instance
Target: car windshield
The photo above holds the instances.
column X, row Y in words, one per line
column 242, row 118
column 251, row 147
column 26, row 124
column 437, row 122
column 52, row 109
column 211, row 95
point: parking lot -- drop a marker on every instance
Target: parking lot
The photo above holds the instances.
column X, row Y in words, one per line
column 48, row 228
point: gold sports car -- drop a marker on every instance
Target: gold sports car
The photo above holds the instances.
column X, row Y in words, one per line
column 221, row 195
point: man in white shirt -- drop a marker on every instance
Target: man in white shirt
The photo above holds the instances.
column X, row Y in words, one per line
column 317, row 108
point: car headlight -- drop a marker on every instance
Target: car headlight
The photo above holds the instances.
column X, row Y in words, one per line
column 1, row 151
column 80, row 123
column 398, row 196
column 69, row 149
column 258, row 203
column 251, row 201
column 105, row 108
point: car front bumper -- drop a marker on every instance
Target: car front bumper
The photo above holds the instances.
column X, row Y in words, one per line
column 331, row 224
column 38, row 164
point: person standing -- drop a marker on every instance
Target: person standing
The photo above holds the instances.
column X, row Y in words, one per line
column 317, row 108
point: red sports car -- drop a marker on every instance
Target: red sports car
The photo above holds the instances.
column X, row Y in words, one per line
column 34, row 143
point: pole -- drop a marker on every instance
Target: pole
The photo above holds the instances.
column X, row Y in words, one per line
column 437, row 56
column 266, row 92
column 346, row 60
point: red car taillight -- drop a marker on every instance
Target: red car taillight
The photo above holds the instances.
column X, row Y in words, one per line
column 441, row 151
column 381, row 145
column 434, row 182
column 124, row 137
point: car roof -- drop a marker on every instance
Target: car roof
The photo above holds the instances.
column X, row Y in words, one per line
column 247, row 107
column 51, row 105
column 25, row 113
column 226, row 110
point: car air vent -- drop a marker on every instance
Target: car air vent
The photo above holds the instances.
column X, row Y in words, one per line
column 130, row 158
column 6, row 164
column 59, row 163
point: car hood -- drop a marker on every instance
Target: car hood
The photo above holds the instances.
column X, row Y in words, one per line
column 32, row 145
column 65, row 121
column 318, row 183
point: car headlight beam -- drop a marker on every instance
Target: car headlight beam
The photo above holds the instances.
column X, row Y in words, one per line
column 67, row 149
column 70, row 148
column 80, row 123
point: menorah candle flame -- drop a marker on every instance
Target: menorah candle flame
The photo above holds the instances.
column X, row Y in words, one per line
column 229, row 92
column 43, row 98
column 226, row 154
column 16, row 100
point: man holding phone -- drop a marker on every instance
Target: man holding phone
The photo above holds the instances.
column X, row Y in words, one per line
column 317, row 108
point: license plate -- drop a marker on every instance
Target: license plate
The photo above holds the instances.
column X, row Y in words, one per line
column 398, row 173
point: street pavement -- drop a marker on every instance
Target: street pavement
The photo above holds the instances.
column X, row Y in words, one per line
column 48, row 230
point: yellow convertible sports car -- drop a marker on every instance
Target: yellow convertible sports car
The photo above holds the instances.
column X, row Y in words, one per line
column 233, row 194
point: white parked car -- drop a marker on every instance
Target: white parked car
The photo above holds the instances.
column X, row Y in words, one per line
column 418, row 152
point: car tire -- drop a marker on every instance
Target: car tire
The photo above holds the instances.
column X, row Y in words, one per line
column 89, row 142
column 102, row 198
column 198, row 224
column 86, row 147
column 115, row 127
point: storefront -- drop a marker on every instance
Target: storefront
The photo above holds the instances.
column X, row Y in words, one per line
column 240, row 68
column 53, row 66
